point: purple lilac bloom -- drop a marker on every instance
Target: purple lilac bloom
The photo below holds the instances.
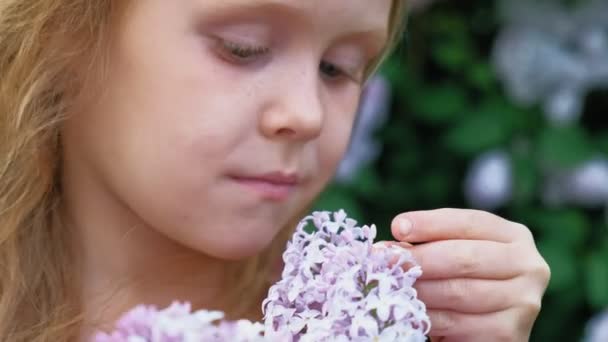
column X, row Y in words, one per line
column 335, row 286
column 178, row 324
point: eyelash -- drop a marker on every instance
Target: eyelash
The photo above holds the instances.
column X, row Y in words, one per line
column 331, row 68
column 242, row 53
column 245, row 53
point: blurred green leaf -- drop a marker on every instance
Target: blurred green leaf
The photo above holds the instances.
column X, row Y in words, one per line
column 525, row 180
column 439, row 104
column 563, row 266
column 477, row 133
column 597, row 279
column 452, row 47
column 397, row 194
column 395, row 71
column 443, row 23
column 434, row 185
column 396, row 133
column 481, row 76
column 505, row 112
column 601, row 142
column 564, row 147
column 567, row 228
column 367, row 183
column 453, row 54
column 405, row 161
column 564, row 306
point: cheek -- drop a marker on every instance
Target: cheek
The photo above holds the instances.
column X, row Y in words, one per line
column 159, row 136
column 334, row 140
column 169, row 114
column 169, row 96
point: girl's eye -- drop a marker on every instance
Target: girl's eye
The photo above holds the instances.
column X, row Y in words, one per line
column 330, row 70
column 242, row 53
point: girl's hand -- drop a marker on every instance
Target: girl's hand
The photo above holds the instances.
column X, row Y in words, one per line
column 483, row 278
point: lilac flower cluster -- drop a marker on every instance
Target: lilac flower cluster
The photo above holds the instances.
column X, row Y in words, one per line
column 178, row 324
column 336, row 286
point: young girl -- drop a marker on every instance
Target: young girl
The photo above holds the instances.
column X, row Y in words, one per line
column 161, row 150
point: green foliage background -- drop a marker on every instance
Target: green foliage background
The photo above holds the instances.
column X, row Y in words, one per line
column 449, row 107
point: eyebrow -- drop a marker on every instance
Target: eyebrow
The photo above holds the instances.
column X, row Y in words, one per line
column 374, row 40
column 249, row 9
column 243, row 9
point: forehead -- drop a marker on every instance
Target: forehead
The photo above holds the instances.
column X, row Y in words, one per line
column 345, row 15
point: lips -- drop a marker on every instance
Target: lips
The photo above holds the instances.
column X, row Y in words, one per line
column 275, row 186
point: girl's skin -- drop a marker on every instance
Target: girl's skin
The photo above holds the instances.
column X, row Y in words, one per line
column 203, row 96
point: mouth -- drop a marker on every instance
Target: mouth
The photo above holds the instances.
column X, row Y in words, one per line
column 274, row 186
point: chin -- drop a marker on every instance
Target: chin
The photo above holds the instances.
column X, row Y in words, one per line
column 238, row 248
column 236, row 252
column 237, row 238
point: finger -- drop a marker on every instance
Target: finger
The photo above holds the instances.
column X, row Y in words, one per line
column 467, row 259
column 386, row 244
column 472, row 296
column 451, row 326
column 463, row 224
column 397, row 248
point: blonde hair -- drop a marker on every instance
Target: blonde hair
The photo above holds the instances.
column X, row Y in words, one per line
column 47, row 49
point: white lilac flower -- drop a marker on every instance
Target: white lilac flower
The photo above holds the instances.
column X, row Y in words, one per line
column 178, row 324
column 335, row 287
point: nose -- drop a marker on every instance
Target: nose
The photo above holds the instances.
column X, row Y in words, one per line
column 296, row 111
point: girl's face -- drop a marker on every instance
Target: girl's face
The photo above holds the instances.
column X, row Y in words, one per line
column 222, row 120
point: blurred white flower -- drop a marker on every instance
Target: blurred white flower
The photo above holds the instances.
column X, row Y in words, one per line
column 585, row 185
column 597, row 328
column 489, row 181
column 552, row 55
column 564, row 105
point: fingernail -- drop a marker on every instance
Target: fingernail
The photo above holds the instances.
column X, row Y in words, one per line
column 405, row 227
